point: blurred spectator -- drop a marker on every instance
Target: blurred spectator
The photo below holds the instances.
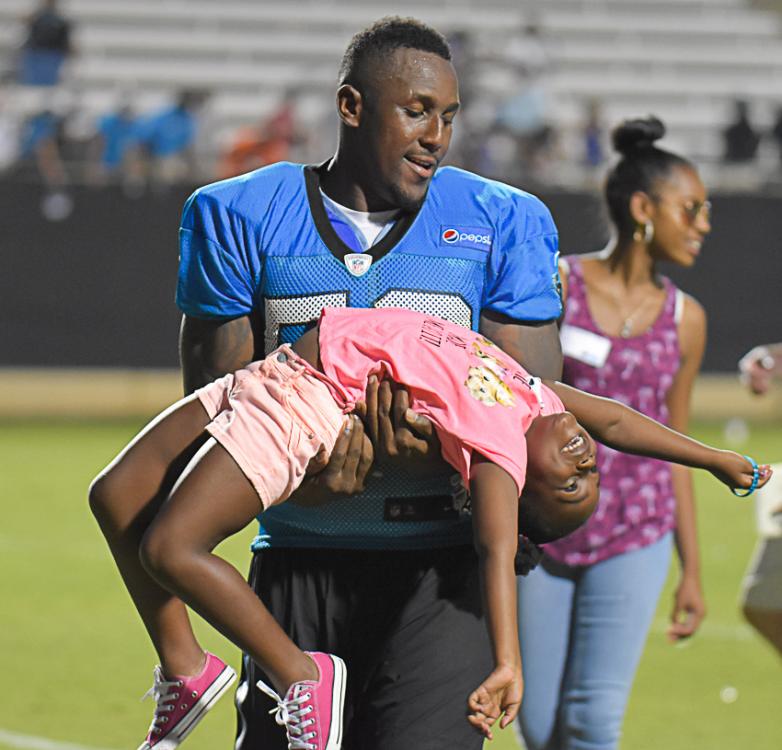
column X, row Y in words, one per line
column 740, row 137
column 9, row 130
column 524, row 115
column 166, row 139
column 46, row 46
column 267, row 143
column 593, row 135
column 776, row 132
column 40, row 145
column 462, row 58
column 761, row 597
column 116, row 137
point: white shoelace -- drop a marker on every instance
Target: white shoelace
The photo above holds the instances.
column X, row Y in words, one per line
column 165, row 699
column 291, row 714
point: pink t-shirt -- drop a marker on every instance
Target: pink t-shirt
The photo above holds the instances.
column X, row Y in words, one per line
column 479, row 398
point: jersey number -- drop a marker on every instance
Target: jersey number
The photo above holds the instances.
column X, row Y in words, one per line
column 281, row 312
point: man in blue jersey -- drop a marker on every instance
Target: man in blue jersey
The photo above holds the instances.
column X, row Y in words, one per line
column 374, row 562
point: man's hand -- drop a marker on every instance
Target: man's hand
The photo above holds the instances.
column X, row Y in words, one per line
column 398, row 434
column 757, row 369
column 688, row 611
column 342, row 473
column 500, row 693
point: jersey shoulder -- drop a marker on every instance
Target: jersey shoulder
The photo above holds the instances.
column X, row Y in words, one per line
column 456, row 186
column 250, row 195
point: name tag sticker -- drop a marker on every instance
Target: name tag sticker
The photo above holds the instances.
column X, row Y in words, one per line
column 585, row 346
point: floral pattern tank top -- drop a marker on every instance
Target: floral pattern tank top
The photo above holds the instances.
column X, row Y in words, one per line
column 637, row 503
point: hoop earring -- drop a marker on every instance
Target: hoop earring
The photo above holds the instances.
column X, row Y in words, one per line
column 648, row 232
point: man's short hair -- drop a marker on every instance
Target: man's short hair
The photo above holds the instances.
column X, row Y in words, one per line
column 381, row 39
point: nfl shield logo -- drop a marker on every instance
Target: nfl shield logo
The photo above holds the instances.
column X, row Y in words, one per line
column 358, row 263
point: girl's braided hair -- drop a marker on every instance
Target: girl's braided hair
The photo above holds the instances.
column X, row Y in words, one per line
column 528, row 555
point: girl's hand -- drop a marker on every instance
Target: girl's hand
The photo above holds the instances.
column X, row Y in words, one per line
column 500, row 693
column 689, row 609
column 735, row 471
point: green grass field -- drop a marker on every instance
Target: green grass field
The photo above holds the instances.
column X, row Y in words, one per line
column 75, row 658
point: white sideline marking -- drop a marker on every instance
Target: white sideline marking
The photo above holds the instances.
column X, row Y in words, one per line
column 13, row 739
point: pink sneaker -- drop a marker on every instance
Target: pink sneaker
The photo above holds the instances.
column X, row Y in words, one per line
column 183, row 701
column 312, row 711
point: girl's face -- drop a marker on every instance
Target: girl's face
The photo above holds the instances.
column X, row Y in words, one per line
column 561, row 469
column 680, row 215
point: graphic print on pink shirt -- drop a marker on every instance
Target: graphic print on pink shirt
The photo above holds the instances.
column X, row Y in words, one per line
column 478, row 397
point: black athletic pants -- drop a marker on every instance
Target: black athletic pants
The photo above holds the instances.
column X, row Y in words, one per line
column 409, row 626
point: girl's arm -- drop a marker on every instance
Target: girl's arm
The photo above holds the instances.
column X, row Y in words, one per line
column 625, row 429
column 688, row 605
column 495, row 512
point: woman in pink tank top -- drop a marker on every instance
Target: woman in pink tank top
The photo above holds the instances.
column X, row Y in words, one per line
column 628, row 334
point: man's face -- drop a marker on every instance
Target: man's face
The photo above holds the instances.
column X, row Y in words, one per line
column 408, row 108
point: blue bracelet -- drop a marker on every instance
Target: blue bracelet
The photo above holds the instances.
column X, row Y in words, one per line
column 755, row 480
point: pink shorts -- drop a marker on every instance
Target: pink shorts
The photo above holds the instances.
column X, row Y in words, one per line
column 273, row 417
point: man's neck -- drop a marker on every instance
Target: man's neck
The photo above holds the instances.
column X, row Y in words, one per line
column 338, row 181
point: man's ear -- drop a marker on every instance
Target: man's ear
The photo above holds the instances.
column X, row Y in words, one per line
column 349, row 105
column 641, row 207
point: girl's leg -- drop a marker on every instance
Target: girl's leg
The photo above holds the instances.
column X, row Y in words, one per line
column 615, row 602
column 212, row 501
column 545, row 609
column 125, row 498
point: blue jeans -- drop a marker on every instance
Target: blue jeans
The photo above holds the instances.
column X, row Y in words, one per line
column 582, row 633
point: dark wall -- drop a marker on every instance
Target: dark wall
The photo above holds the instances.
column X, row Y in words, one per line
column 98, row 287
column 94, row 289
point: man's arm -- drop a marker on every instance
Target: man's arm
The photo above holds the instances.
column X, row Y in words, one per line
column 534, row 345
column 208, row 349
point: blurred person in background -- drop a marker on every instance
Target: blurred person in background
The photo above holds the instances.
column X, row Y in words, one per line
column 776, row 134
column 46, row 47
column 113, row 149
column 593, row 135
column 761, row 597
column 10, row 128
column 629, row 334
column 268, row 143
column 740, row 138
column 40, row 148
column 524, row 115
column 166, row 139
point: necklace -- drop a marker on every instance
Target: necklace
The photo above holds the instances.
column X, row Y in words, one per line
column 627, row 327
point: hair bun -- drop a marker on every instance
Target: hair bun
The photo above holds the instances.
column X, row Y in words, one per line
column 636, row 135
column 528, row 555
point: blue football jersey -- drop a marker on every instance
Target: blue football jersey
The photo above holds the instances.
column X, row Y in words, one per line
column 263, row 243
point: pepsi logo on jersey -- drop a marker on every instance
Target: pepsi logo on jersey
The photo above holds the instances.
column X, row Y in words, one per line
column 475, row 237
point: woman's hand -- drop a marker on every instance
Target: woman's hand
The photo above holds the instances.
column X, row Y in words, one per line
column 736, row 471
column 398, row 435
column 689, row 608
column 500, row 693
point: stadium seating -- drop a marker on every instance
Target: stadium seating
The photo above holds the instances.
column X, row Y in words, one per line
column 685, row 60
